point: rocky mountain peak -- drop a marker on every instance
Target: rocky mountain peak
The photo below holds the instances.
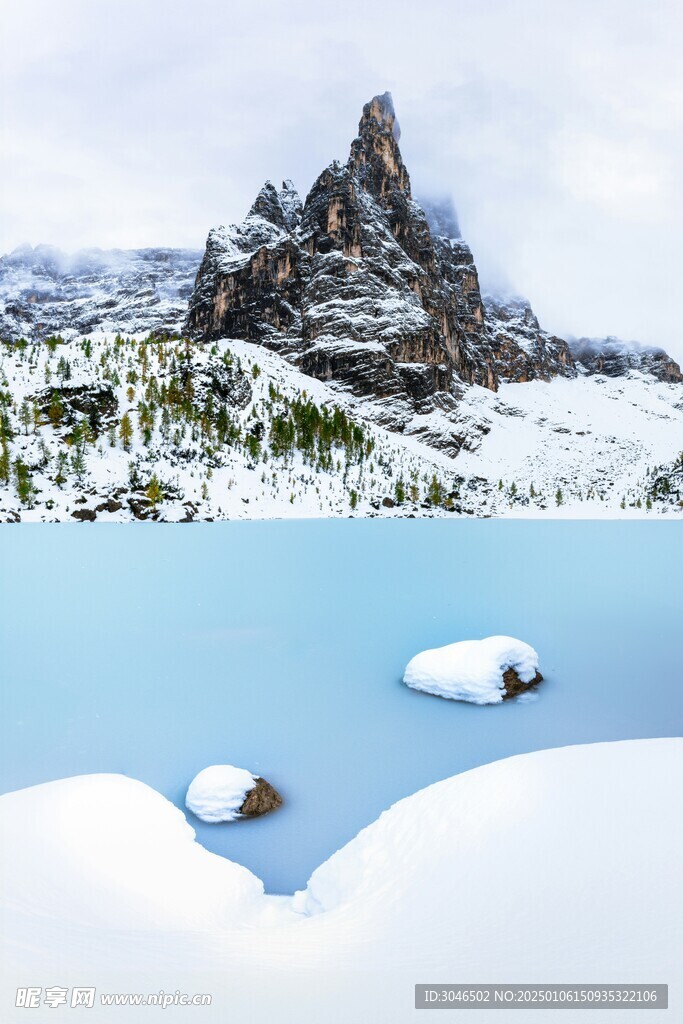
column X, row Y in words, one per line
column 290, row 202
column 375, row 158
column 282, row 209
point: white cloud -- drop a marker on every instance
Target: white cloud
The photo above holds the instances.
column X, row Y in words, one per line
column 556, row 127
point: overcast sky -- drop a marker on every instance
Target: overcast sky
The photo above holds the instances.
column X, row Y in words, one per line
column 556, row 126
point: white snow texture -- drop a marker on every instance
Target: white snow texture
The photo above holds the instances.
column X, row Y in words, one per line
column 217, row 793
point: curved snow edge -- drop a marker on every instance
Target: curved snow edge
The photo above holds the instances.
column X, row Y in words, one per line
column 109, row 851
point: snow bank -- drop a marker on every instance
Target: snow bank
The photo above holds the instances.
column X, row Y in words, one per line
column 472, row 670
column 108, row 851
column 217, row 793
column 561, row 865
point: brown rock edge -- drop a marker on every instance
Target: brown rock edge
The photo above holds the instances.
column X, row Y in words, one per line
column 514, row 685
column 260, row 800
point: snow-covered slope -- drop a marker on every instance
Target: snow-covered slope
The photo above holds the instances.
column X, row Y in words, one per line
column 562, row 865
column 113, row 429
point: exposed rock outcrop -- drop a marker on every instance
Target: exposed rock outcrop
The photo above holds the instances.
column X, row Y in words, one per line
column 97, row 402
column 262, row 799
column 514, row 685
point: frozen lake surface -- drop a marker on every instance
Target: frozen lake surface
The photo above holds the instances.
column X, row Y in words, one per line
column 155, row 651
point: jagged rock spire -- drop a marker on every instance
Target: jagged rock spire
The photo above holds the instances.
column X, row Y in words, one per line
column 283, row 209
column 290, row 202
column 375, row 157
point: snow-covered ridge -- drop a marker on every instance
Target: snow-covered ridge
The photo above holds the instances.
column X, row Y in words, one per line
column 534, row 860
column 45, row 291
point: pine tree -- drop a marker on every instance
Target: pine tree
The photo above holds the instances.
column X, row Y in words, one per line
column 648, row 503
column 25, row 415
column 126, row 431
column 400, row 491
column 56, row 410
column 24, row 484
column 63, row 369
column 154, row 492
column 79, row 440
column 4, row 460
column 62, row 463
column 435, row 491
column 78, row 465
column 558, row 497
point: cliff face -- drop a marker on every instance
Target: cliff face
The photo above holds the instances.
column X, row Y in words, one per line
column 521, row 349
column 357, row 287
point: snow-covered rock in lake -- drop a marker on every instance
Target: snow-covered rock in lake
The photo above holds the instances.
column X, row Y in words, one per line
column 225, row 793
column 478, row 671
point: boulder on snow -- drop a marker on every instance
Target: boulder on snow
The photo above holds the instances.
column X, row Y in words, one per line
column 225, row 793
column 478, row 671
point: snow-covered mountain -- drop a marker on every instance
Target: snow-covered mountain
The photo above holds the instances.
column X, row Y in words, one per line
column 361, row 286
column 44, row 291
column 336, row 357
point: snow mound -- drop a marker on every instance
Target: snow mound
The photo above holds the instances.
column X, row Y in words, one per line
column 472, row 670
column 108, row 851
column 218, row 792
column 561, row 864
